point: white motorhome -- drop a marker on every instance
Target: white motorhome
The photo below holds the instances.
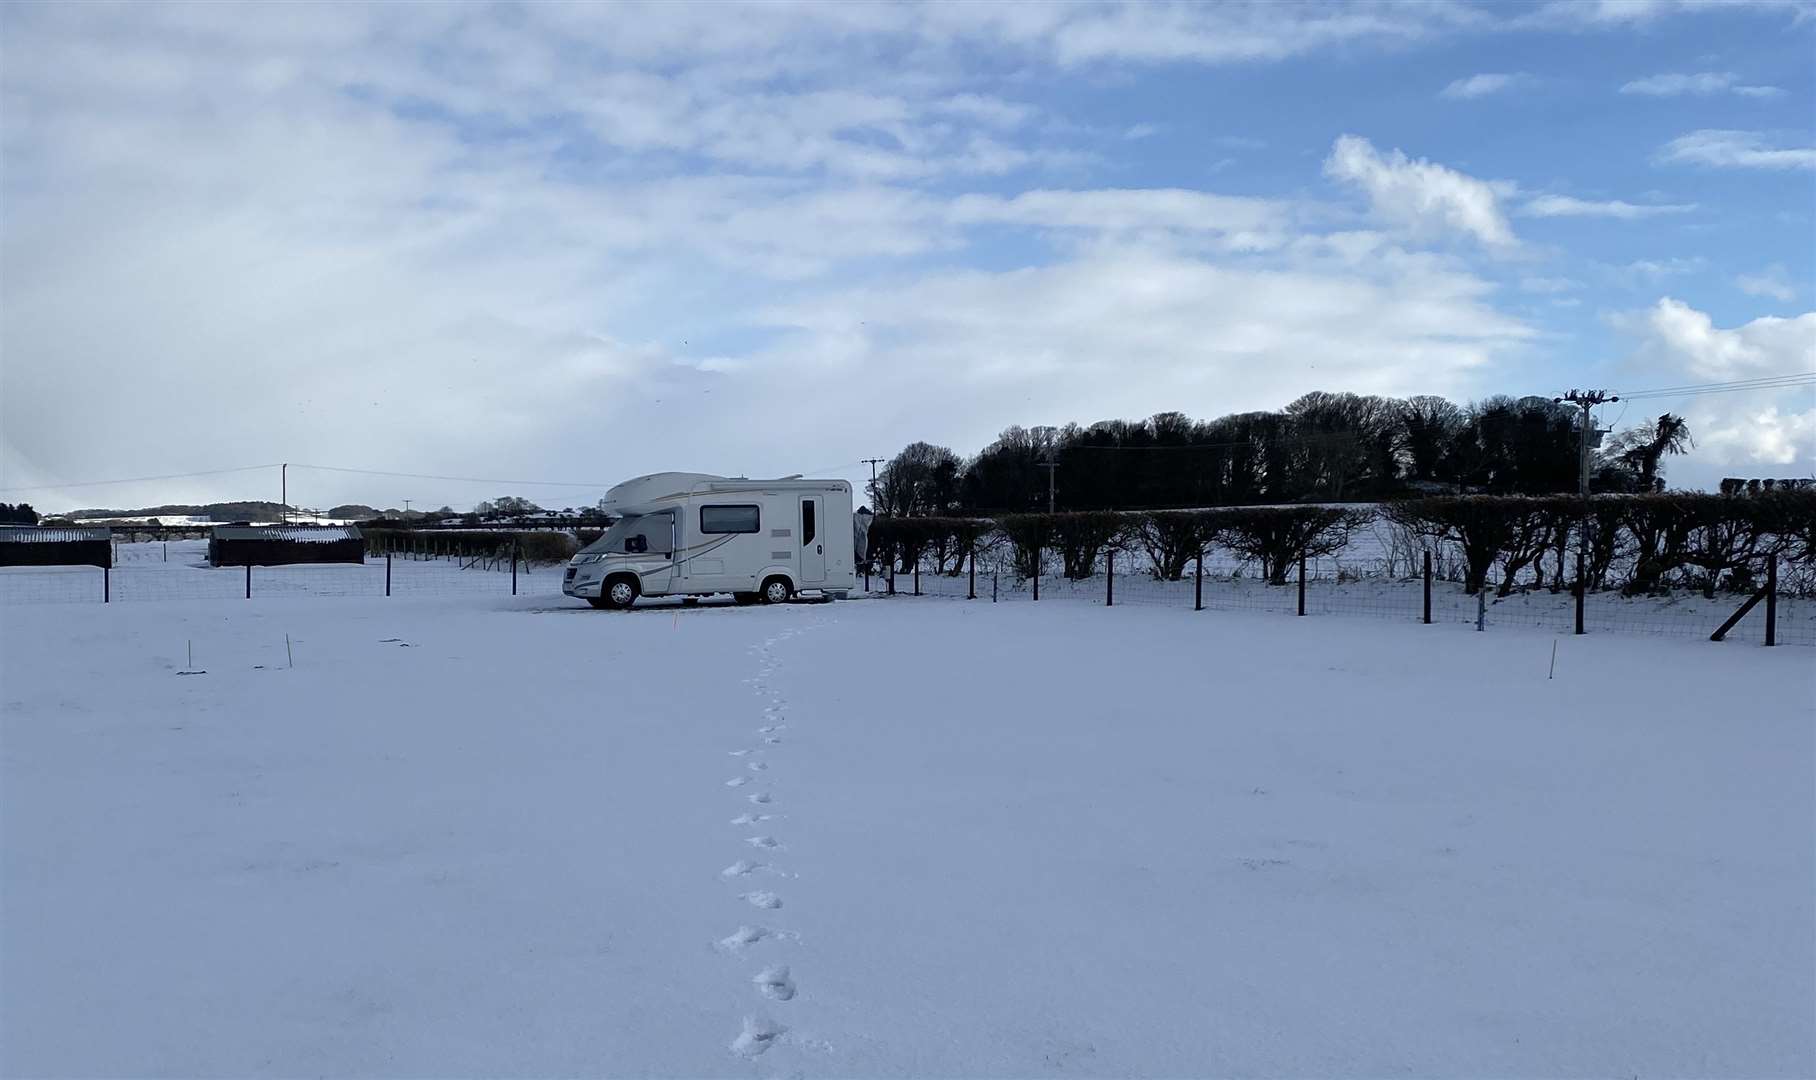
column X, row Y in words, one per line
column 692, row 534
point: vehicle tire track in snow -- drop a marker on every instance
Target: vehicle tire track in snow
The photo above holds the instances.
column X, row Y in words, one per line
column 774, row 981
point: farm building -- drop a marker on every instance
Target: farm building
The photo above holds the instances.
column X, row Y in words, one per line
column 280, row 545
column 33, row 545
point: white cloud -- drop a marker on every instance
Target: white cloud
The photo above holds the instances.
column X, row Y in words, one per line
column 1141, row 131
column 1229, row 33
column 1421, row 195
column 1565, row 206
column 1669, row 267
column 1243, row 223
column 1205, row 331
column 1700, row 84
column 1548, row 284
column 1476, row 86
column 1770, row 282
column 1736, row 149
column 1598, row 14
column 1678, row 345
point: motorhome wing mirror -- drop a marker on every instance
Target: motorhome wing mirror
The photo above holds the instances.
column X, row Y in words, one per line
column 636, row 545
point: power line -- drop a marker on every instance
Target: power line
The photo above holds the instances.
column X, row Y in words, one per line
column 141, row 479
column 458, row 479
column 1769, row 382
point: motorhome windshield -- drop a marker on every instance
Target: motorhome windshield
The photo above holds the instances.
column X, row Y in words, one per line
column 655, row 530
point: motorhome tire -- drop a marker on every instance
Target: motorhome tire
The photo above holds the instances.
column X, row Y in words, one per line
column 618, row 594
column 745, row 597
column 777, row 590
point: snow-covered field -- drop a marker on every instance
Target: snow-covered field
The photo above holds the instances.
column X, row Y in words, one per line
column 497, row 836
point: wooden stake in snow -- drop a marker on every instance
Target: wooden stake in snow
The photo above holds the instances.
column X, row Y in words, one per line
column 1553, row 673
column 290, row 657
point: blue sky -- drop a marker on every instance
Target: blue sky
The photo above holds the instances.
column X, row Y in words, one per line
column 584, row 242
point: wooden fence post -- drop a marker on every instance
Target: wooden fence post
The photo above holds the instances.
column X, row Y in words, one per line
column 513, row 566
column 248, row 581
column 1301, row 584
column 1109, row 579
column 107, row 584
column 1428, row 588
column 1198, row 583
column 971, row 591
column 1772, row 601
column 1037, row 573
column 387, row 573
column 1582, row 593
column 917, row 575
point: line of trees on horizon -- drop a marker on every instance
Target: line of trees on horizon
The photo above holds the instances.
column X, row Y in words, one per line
column 1323, row 447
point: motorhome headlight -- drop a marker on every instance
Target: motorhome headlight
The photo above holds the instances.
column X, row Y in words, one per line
column 582, row 560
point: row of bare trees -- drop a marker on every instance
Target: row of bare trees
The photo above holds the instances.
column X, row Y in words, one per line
column 1638, row 544
column 1322, row 447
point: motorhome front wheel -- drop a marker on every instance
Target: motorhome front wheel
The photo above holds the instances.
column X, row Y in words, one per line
column 619, row 593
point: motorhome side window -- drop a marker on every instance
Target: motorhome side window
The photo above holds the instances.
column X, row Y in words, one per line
column 728, row 519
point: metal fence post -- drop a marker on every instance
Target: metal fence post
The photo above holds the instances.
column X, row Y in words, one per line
column 866, row 573
column 917, row 575
column 993, row 576
column 1428, row 588
column 514, row 546
column 1772, row 601
column 1301, row 584
column 248, row 581
column 971, row 591
column 387, row 573
column 1482, row 607
column 1109, row 579
column 1582, row 592
column 107, row 584
column 892, row 575
column 1037, row 573
column 1198, row 583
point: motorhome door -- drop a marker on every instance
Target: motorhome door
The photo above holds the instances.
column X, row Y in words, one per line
column 813, row 541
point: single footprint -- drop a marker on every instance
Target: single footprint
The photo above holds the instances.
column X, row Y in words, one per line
column 740, row 753
column 770, row 729
column 772, row 740
column 773, row 983
column 756, row 1037
column 744, row 936
column 761, row 798
column 755, row 766
column 737, row 781
column 750, row 819
column 740, row 868
column 768, row 843
column 767, row 900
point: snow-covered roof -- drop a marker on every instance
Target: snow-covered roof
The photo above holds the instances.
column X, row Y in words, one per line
column 294, row 534
column 32, row 534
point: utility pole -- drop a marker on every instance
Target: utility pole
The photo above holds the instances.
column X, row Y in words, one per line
column 407, row 509
column 1051, row 467
column 1585, row 400
column 873, row 462
column 284, row 487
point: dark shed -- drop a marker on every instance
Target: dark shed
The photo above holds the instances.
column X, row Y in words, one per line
column 280, row 545
column 32, row 545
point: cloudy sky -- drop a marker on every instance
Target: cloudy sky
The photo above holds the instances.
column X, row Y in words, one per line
column 578, row 243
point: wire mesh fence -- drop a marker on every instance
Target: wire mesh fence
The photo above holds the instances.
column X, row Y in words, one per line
column 1344, row 586
column 136, row 579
